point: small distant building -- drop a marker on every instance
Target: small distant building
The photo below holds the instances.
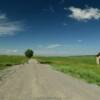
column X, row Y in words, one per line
column 98, row 58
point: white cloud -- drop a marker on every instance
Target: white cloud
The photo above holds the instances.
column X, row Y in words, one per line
column 50, row 53
column 79, row 40
column 40, row 46
column 53, row 46
column 65, row 24
column 8, row 27
column 8, row 51
column 2, row 16
column 84, row 14
column 50, row 9
column 15, row 51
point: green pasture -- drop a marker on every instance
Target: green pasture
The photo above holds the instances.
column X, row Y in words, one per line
column 83, row 67
column 7, row 61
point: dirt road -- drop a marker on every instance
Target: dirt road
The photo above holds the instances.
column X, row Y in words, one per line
column 35, row 81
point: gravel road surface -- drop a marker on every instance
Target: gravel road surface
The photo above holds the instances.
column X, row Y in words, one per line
column 34, row 81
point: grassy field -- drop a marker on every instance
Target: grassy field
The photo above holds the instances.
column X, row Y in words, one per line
column 7, row 61
column 83, row 67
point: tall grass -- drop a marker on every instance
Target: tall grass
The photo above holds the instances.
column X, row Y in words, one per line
column 83, row 67
column 6, row 61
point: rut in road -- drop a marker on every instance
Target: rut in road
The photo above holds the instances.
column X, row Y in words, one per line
column 34, row 81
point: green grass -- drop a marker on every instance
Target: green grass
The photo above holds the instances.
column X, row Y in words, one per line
column 83, row 67
column 7, row 61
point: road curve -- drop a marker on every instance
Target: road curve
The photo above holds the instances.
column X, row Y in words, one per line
column 34, row 81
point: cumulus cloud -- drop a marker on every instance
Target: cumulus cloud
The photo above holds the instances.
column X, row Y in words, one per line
column 84, row 14
column 53, row 46
column 8, row 27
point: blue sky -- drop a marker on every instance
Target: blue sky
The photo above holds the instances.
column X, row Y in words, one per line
column 50, row 27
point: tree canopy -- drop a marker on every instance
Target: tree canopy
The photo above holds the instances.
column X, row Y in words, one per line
column 29, row 53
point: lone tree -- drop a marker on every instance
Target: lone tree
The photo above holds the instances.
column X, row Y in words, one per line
column 29, row 53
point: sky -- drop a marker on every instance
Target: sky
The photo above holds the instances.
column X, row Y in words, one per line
column 50, row 27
